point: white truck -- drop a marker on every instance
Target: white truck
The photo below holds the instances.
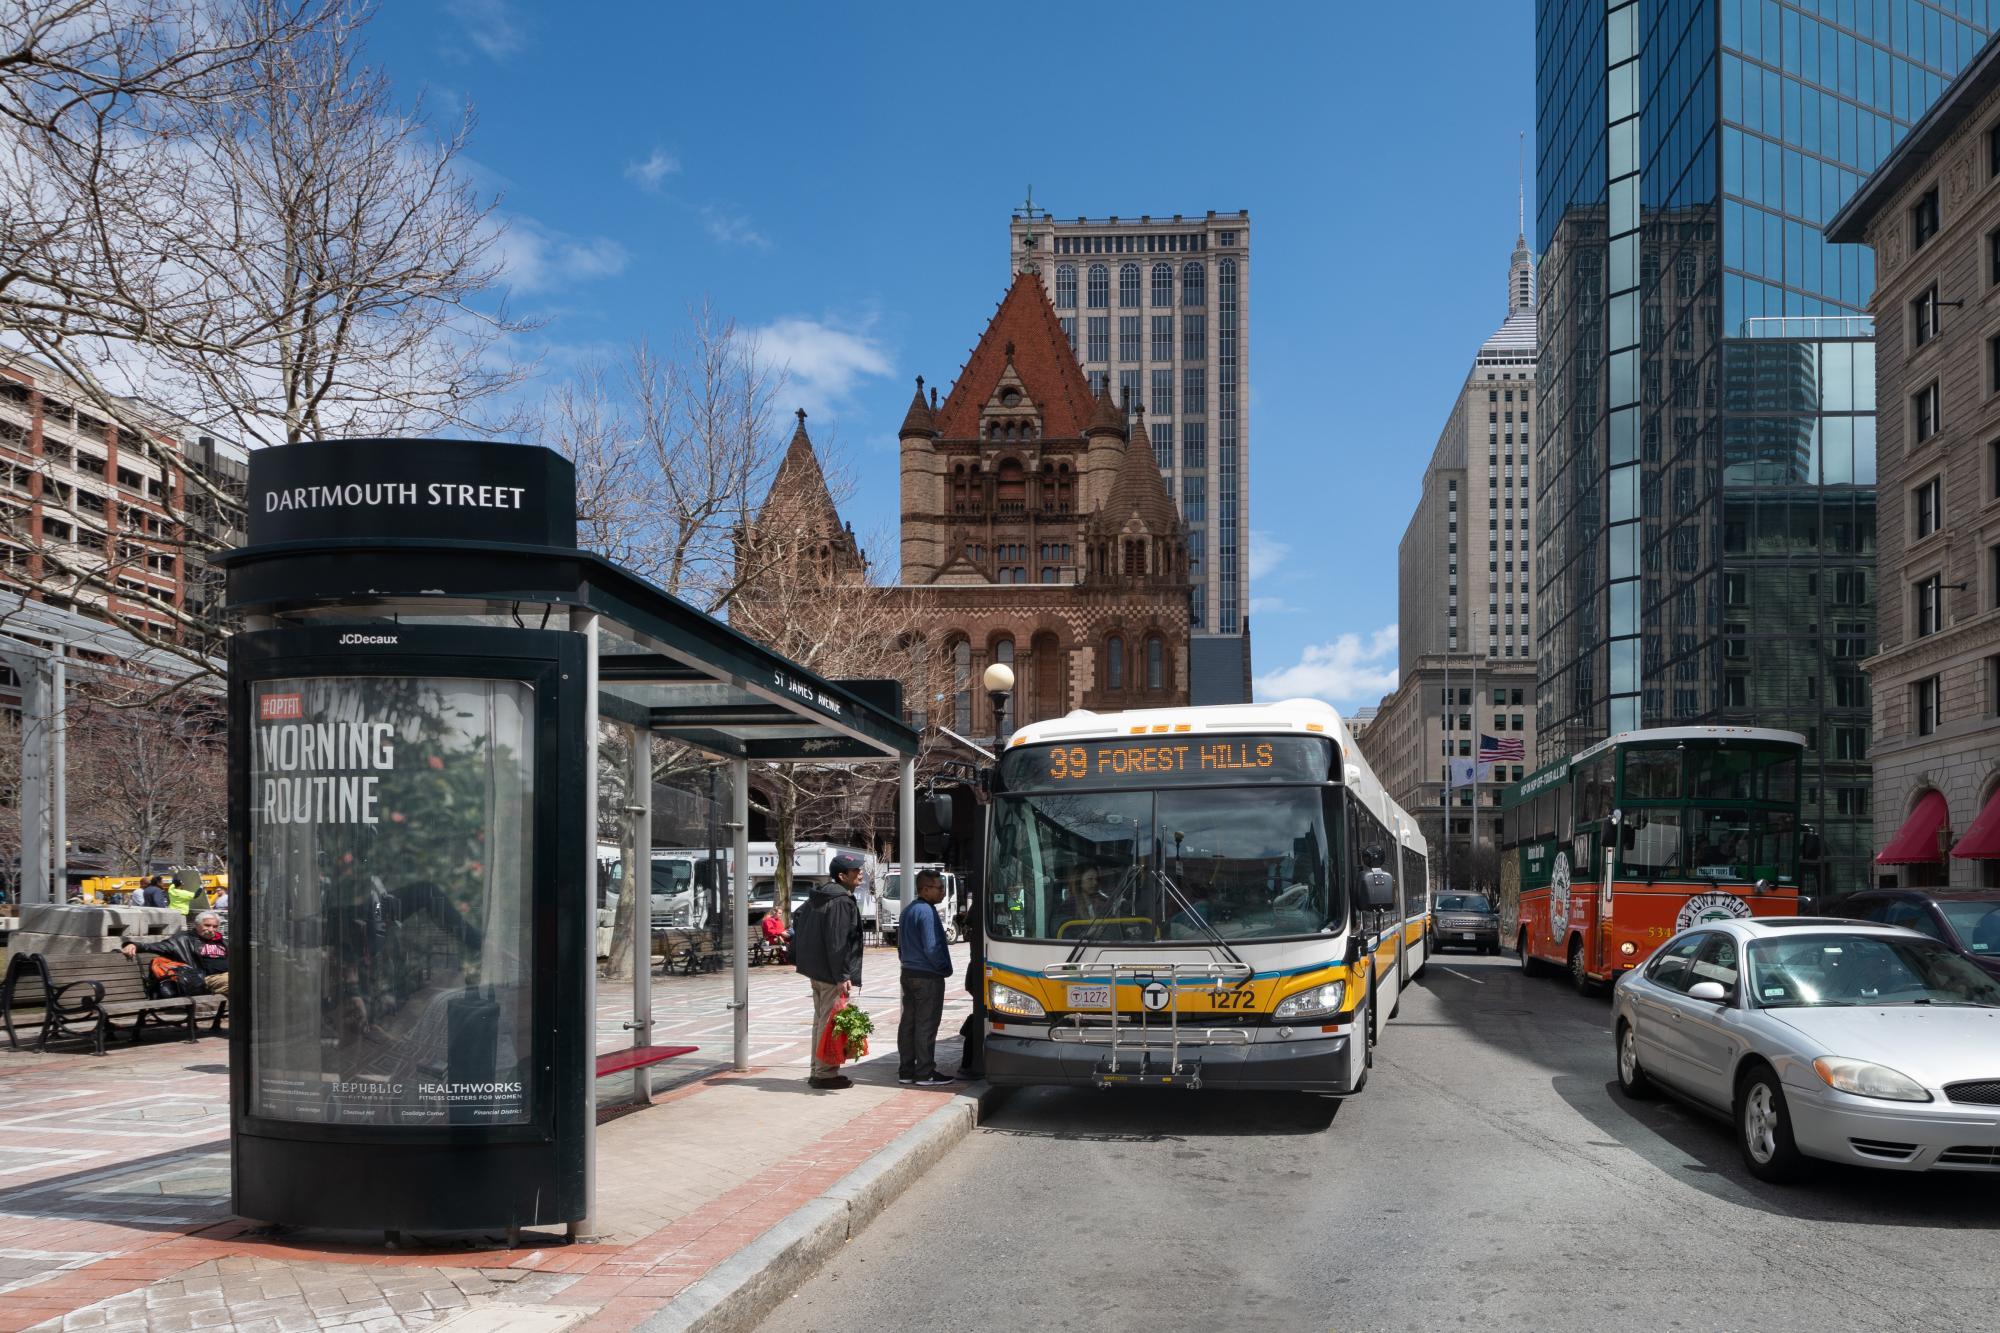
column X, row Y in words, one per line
column 950, row 910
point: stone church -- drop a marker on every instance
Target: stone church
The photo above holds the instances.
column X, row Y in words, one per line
column 1036, row 530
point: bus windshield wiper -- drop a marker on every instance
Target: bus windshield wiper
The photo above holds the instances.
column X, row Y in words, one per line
column 1214, row 935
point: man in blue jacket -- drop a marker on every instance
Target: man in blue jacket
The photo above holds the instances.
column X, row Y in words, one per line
column 926, row 965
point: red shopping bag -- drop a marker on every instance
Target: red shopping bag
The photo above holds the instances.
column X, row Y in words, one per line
column 831, row 1049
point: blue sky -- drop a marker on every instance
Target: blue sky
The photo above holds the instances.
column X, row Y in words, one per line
column 839, row 177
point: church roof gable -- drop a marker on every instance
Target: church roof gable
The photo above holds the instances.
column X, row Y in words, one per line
column 1025, row 332
column 799, row 493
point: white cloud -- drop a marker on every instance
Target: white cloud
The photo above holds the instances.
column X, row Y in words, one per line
column 822, row 362
column 1352, row 669
column 536, row 258
column 1266, row 553
column 1270, row 606
column 650, row 174
column 729, row 227
column 491, row 25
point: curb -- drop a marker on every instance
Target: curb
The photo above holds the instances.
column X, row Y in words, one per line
column 737, row 1293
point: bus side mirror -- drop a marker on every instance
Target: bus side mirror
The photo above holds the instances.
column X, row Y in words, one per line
column 934, row 815
column 1378, row 889
column 1372, row 854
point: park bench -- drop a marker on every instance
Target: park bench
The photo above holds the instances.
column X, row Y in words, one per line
column 64, row 996
column 693, row 951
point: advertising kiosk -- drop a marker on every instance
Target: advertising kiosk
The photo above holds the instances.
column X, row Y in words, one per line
column 413, row 703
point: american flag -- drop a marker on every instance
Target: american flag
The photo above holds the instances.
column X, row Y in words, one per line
column 1501, row 749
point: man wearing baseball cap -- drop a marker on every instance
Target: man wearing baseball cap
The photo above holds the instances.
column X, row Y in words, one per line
column 826, row 947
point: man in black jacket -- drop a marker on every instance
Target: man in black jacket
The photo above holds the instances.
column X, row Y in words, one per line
column 203, row 948
column 826, row 947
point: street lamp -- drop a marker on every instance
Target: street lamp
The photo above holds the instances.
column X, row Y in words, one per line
column 999, row 681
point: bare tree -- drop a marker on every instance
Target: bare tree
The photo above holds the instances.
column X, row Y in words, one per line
column 144, row 786
column 10, row 796
column 216, row 206
column 673, row 451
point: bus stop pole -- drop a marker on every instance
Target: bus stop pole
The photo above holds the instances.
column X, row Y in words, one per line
column 639, row 883
column 906, row 828
column 739, row 907
column 585, row 623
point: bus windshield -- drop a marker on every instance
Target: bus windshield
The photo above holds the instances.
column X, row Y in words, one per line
column 1164, row 865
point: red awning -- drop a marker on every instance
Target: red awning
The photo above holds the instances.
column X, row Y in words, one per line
column 1917, row 842
column 1982, row 841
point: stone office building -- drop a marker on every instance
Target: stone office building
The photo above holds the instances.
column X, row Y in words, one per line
column 1931, row 215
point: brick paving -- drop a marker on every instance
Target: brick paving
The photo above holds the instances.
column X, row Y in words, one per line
column 114, row 1181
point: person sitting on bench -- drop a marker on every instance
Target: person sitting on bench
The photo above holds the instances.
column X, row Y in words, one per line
column 202, row 948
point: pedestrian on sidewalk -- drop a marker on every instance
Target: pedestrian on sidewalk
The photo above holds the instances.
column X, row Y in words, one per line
column 151, row 892
column 926, row 963
column 826, row 948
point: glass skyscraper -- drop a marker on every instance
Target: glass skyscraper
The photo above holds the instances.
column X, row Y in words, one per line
column 1705, row 460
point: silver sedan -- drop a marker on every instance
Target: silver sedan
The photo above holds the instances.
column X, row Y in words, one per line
column 1821, row 1038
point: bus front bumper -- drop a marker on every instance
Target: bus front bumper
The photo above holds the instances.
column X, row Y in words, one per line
column 1315, row 1064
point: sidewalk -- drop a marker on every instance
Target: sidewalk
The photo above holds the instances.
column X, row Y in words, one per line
column 114, row 1186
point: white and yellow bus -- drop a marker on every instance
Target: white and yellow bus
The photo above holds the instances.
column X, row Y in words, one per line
column 1196, row 897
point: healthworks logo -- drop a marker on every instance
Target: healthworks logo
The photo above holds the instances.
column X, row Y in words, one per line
column 281, row 708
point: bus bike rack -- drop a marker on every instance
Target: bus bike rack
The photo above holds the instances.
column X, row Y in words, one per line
column 1148, row 1036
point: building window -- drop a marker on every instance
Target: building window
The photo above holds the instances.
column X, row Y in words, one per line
column 1066, row 289
column 1194, row 393
column 961, row 685
column 1993, row 257
column 1924, row 218
column 1128, row 337
column 1924, row 411
column 1194, row 284
column 1069, row 331
column 1194, row 337
column 1194, row 499
column 1163, row 286
column 1927, row 597
column 1163, row 337
column 1156, row 664
column 1162, row 405
column 1924, row 315
column 1993, row 151
column 1114, row 663
column 1098, row 297
column 1194, row 445
column 1927, row 508
column 1924, row 704
column 1099, row 346
column 1128, row 285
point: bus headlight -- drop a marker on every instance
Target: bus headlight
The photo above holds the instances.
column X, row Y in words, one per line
column 1312, row 1003
column 1007, row 1000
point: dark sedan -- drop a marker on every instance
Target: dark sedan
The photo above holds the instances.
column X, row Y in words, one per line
column 1464, row 921
column 1966, row 920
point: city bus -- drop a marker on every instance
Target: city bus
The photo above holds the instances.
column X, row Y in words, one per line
column 1609, row 852
column 1196, row 897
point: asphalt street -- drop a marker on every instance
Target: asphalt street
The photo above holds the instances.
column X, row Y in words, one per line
column 1491, row 1174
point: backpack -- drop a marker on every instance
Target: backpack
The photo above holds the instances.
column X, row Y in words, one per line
column 171, row 979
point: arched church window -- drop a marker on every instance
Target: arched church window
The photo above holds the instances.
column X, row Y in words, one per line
column 1114, row 663
column 1156, row 663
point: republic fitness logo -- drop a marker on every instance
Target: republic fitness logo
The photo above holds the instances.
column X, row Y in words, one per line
column 1559, row 896
column 1706, row 907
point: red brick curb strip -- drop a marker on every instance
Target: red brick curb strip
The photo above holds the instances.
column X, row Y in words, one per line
column 737, row 1293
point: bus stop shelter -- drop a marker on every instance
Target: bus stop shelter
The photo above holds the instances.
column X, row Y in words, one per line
column 425, row 647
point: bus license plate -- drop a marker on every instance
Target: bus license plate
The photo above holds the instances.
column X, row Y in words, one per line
column 1090, row 997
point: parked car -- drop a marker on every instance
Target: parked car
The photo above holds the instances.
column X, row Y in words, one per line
column 1967, row 920
column 1464, row 921
column 1820, row 1038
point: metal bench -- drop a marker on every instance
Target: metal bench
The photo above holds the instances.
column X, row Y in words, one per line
column 638, row 1057
column 85, row 995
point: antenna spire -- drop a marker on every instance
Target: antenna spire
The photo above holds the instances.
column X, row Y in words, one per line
column 1521, row 185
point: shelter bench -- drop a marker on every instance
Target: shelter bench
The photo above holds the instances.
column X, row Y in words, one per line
column 638, row 1057
column 86, row 994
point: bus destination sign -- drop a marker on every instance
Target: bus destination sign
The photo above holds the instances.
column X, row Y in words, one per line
column 1164, row 761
